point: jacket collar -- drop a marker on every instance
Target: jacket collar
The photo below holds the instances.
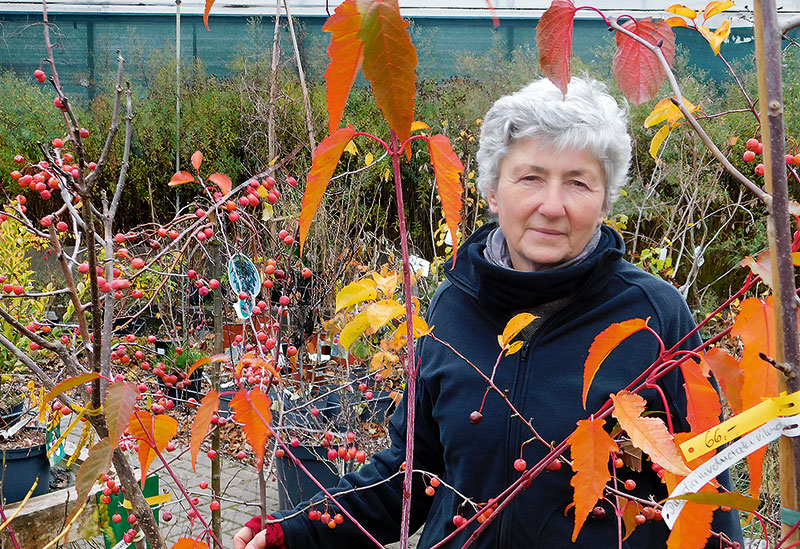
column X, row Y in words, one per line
column 505, row 289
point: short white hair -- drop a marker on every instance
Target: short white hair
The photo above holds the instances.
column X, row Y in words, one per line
column 587, row 118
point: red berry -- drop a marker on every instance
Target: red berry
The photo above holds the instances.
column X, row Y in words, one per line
column 289, row 240
column 430, row 490
column 280, row 452
column 361, row 456
column 137, row 263
column 204, row 485
column 306, row 272
column 640, row 519
column 630, row 484
column 332, row 454
column 84, row 133
column 212, row 454
column 62, row 226
column 117, row 518
column 598, row 513
column 58, row 143
column 291, row 181
column 554, row 465
column 167, row 516
column 748, row 156
column 214, row 505
column 39, row 75
column 752, row 144
column 520, row 465
column 760, row 169
column 618, row 463
column 475, row 417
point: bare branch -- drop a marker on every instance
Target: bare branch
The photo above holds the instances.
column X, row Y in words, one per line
column 112, row 130
column 125, row 157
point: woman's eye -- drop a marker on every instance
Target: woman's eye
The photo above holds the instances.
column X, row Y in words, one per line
column 579, row 184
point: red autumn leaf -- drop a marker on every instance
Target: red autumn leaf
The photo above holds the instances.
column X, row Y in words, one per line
column 223, row 182
column 201, row 422
column 252, row 410
column 590, row 449
column 180, row 178
column 390, row 62
column 326, row 157
column 197, row 159
column 693, row 526
column 209, row 3
column 346, row 52
column 554, row 41
column 702, row 402
column 189, row 543
column 637, row 70
column 729, row 374
column 146, row 428
column 605, row 342
column 447, row 167
column 97, row 463
column 649, row 434
column 119, row 403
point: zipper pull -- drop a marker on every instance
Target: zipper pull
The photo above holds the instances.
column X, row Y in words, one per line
column 525, row 349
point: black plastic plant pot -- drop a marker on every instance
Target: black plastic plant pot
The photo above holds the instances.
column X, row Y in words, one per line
column 379, row 408
column 294, row 486
column 21, row 467
column 11, row 416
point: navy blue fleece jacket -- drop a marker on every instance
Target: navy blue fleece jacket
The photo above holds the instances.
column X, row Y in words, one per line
column 543, row 381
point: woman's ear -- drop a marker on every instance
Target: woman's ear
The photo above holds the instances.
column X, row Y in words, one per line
column 491, row 199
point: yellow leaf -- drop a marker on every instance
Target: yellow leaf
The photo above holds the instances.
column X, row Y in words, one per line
column 515, row 326
column 417, row 125
column 387, row 174
column 386, row 281
column 268, row 212
column 659, row 113
column 263, row 192
column 676, row 22
column 381, row 312
column 353, row 330
column 713, row 8
column 368, row 159
column 351, row 148
column 658, row 139
column 355, row 293
column 514, row 347
column 680, row 9
column 421, row 328
column 716, row 38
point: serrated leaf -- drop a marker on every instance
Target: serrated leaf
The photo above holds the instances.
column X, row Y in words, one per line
column 190, row 543
column 64, row 386
column 200, row 424
column 702, row 401
column 209, row 3
column 180, row 178
column 353, row 330
column 119, row 404
column 147, row 428
column 326, row 157
column 693, row 526
column 515, row 326
column 97, row 463
column 730, row 499
column 221, row 357
column 591, row 447
column 381, row 312
column 680, row 9
column 356, row 292
column 390, row 62
column 649, row 434
column 448, row 169
column 605, row 342
column 637, row 70
column 252, row 410
column 713, row 8
column 554, row 41
column 346, row 53
column 658, row 140
column 197, row 159
column 222, row 181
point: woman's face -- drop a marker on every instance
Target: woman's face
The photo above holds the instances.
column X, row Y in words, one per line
column 549, row 203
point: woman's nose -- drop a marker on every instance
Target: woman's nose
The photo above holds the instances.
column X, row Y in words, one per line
column 552, row 201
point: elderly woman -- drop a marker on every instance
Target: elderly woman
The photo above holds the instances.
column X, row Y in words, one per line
column 550, row 167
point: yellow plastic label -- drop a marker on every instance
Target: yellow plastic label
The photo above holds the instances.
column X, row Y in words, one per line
column 152, row 500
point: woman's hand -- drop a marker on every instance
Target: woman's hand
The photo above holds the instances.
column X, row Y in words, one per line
column 243, row 537
column 271, row 537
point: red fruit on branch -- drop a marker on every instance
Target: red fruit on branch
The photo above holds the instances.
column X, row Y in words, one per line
column 748, row 156
column 40, row 75
column 520, row 465
column 752, row 144
column 58, row 143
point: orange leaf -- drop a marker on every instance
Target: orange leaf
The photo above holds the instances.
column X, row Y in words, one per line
column 693, row 526
column 447, row 167
column 189, row 543
column 605, row 342
column 346, row 52
column 66, row 385
column 222, row 357
column 591, row 446
column 180, row 178
column 197, row 159
column 119, row 403
column 761, row 266
column 648, row 433
column 702, row 401
column 637, row 69
column 209, row 3
column 326, row 157
column 223, row 182
column 755, row 464
column 252, row 410
column 97, row 463
column 729, row 374
column 390, row 62
column 201, row 422
column 676, row 22
column 554, row 40
column 148, row 429
column 630, row 509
